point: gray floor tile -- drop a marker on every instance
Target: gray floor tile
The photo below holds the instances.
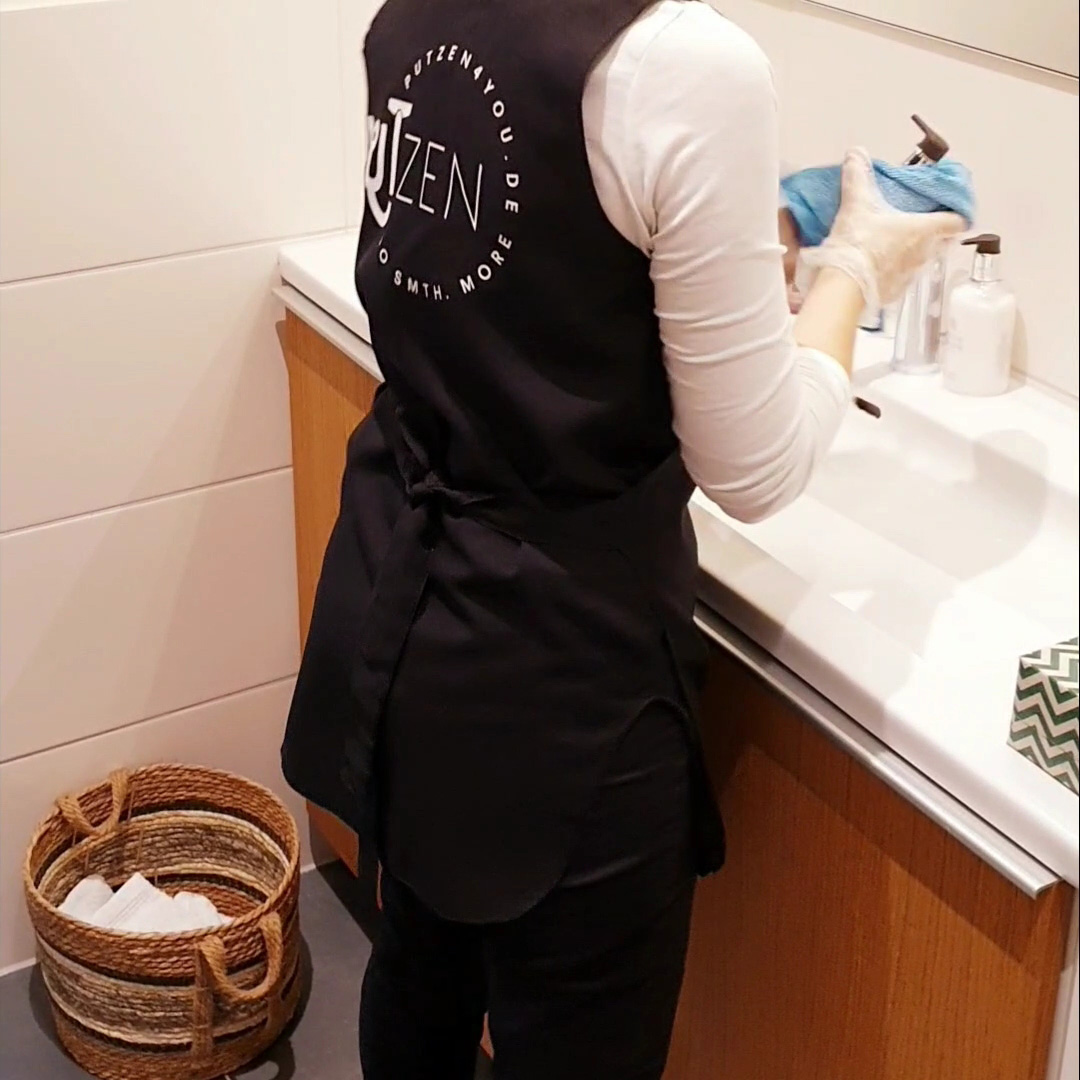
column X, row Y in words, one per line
column 29, row 1048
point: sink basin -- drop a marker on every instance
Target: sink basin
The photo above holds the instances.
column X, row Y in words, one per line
column 939, row 540
column 934, row 546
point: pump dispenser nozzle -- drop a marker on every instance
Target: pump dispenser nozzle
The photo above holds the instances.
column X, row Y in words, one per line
column 931, row 147
column 986, row 243
column 987, row 249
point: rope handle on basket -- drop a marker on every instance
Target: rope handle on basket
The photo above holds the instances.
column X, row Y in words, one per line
column 72, row 812
column 212, row 951
column 212, row 979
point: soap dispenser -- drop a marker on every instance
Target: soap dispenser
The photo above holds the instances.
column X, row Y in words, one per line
column 982, row 320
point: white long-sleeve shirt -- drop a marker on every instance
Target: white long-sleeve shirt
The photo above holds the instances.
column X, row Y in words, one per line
column 681, row 129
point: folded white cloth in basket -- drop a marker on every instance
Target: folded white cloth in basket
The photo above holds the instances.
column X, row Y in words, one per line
column 88, row 897
column 138, row 907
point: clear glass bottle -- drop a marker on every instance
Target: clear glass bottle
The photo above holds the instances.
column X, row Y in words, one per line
column 919, row 325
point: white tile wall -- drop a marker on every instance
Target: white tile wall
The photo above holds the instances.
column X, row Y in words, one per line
column 240, row 733
column 154, row 151
column 128, row 383
column 114, row 617
column 135, row 130
column 843, row 82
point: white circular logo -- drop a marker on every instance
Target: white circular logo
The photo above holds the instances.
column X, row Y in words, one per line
column 442, row 187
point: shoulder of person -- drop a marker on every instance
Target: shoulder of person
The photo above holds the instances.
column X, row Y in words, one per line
column 691, row 42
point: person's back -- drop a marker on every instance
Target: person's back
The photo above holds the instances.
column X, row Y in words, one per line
column 499, row 293
column 527, row 409
column 569, row 260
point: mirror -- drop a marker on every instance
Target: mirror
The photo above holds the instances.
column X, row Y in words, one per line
column 1042, row 33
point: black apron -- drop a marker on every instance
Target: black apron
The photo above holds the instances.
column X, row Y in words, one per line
column 511, row 579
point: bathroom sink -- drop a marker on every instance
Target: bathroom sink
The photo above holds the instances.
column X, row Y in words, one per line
column 934, row 546
column 937, row 539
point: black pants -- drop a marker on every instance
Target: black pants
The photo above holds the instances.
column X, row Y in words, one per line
column 583, row 985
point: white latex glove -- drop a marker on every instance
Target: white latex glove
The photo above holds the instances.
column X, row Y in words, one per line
column 880, row 247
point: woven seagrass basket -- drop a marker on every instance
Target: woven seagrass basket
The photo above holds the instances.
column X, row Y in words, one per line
column 189, row 1006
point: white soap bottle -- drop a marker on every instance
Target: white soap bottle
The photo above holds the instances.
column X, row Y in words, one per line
column 982, row 320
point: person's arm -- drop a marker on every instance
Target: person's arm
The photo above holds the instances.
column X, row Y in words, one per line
column 681, row 127
column 836, row 296
column 789, row 240
column 829, row 314
column 682, row 135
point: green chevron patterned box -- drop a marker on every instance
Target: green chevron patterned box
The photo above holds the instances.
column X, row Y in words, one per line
column 1045, row 714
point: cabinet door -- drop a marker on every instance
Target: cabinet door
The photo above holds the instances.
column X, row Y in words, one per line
column 849, row 937
column 329, row 394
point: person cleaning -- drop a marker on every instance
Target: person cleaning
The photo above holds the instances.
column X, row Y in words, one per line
column 570, row 259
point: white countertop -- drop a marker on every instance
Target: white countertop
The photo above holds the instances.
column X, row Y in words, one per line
column 933, row 547
column 322, row 269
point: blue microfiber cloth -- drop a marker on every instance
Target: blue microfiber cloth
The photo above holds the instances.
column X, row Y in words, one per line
column 813, row 195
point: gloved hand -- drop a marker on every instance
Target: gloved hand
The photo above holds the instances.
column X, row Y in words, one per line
column 789, row 239
column 880, row 247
